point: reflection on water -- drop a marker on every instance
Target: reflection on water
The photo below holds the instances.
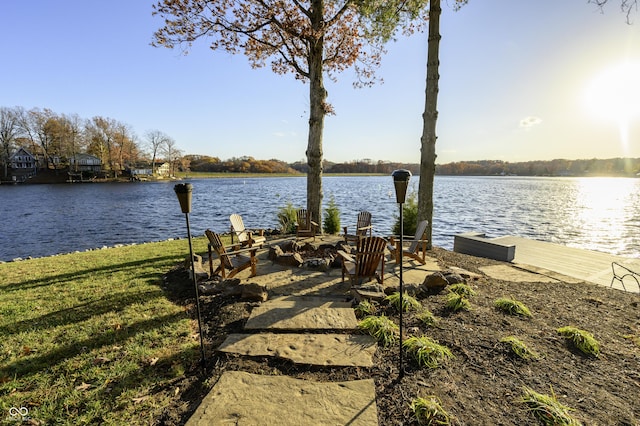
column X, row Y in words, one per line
column 596, row 213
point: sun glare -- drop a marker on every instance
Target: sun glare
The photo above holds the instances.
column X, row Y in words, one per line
column 614, row 93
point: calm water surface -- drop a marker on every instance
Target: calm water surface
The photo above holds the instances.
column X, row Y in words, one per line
column 595, row 213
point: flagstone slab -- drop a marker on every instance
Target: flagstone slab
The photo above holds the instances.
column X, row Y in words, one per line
column 315, row 349
column 241, row 398
column 303, row 313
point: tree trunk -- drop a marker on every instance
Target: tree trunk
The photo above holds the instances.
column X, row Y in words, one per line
column 317, row 100
column 430, row 117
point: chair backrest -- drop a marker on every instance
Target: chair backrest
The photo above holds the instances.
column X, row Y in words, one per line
column 420, row 230
column 364, row 220
column 369, row 254
column 237, row 228
column 216, row 243
column 304, row 219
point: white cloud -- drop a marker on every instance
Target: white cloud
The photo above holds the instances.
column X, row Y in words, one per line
column 530, row 121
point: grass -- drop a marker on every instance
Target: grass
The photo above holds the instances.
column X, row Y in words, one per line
column 427, row 318
column 512, row 307
column 581, row 340
column 457, row 302
column 518, row 348
column 383, row 329
column 429, row 411
column 427, row 352
column 98, row 328
column 462, row 289
column 547, row 409
column 409, row 303
column 365, row 308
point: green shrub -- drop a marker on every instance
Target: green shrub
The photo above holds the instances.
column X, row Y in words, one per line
column 409, row 215
column 331, row 224
column 426, row 351
column 518, row 347
column 457, row 302
column 547, row 409
column 581, row 340
column 429, row 411
column 408, row 302
column 462, row 289
column 287, row 218
column 381, row 328
column 512, row 307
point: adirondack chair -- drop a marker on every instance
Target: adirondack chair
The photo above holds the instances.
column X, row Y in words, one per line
column 363, row 227
column 366, row 263
column 235, row 260
column 417, row 244
column 305, row 226
column 244, row 237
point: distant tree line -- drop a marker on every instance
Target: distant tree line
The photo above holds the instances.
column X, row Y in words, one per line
column 558, row 167
column 203, row 163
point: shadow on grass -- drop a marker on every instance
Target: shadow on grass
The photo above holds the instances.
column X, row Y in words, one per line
column 47, row 280
column 32, row 365
column 113, row 303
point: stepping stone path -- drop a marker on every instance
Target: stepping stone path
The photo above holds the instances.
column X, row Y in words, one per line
column 253, row 399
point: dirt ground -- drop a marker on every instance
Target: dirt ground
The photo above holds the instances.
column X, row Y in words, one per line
column 483, row 384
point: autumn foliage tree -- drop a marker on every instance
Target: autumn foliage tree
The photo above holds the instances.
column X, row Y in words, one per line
column 309, row 39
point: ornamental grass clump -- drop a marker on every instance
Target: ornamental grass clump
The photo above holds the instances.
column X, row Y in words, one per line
column 519, row 349
column 581, row 340
column 365, row 308
column 427, row 352
column 427, row 318
column 409, row 303
column 429, row 411
column 287, row 218
column 381, row 328
column 462, row 289
column 457, row 302
column 547, row 409
column 512, row 307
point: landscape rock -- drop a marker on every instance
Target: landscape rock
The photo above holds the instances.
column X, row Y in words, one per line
column 254, row 292
column 289, row 259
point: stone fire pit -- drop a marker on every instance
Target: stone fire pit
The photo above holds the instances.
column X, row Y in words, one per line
column 308, row 254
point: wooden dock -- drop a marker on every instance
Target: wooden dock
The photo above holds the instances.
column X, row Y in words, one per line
column 587, row 265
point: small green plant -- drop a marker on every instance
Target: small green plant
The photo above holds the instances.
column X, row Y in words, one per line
column 331, row 223
column 409, row 215
column 429, row 411
column 408, row 302
column 426, row 351
column 547, row 409
column 365, row 308
column 427, row 318
column 635, row 338
column 287, row 218
column 512, row 307
column 457, row 302
column 581, row 340
column 462, row 289
column 518, row 347
column 381, row 328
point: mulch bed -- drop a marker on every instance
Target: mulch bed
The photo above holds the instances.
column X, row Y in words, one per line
column 483, row 384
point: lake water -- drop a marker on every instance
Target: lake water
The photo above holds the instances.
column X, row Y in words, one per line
column 594, row 213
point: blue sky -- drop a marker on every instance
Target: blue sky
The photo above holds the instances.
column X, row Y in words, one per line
column 520, row 80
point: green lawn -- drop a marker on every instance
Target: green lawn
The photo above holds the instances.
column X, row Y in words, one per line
column 92, row 337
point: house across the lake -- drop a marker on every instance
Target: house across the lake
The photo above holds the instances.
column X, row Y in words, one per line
column 22, row 165
column 85, row 163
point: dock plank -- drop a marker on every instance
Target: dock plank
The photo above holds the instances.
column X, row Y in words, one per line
column 588, row 265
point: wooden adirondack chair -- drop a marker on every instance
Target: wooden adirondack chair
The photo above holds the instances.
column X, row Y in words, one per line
column 417, row 244
column 244, row 237
column 235, row 260
column 306, row 227
column 363, row 265
column 363, row 227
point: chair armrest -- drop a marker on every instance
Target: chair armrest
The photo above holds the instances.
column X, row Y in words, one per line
column 244, row 250
column 346, row 256
column 364, row 228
